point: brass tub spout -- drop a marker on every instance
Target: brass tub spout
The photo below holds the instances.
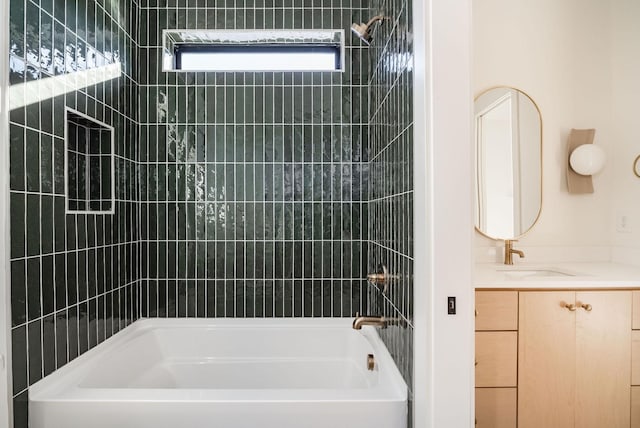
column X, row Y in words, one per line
column 381, row 322
column 359, row 322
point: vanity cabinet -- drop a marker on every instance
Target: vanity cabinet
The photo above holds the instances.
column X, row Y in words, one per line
column 573, row 359
column 635, row 362
column 576, row 361
column 636, row 310
column 496, row 359
column 496, row 407
column 496, row 311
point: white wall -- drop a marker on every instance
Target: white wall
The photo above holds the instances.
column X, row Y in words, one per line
column 559, row 53
column 443, row 344
column 625, row 49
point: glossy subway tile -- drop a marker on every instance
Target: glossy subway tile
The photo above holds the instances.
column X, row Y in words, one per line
column 253, row 180
column 390, row 150
column 74, row 278
column 237, row 194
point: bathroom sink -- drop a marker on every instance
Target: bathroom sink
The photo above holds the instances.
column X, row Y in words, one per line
column 534, row 273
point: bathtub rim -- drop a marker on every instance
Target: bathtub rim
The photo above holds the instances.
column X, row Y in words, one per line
column 62, row 385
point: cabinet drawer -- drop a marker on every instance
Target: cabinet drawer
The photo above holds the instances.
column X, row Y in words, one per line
column 635, row 407
column 496, row 358
column 635, row 358
column 496, row 310
column 496, row 407
column 636, row 310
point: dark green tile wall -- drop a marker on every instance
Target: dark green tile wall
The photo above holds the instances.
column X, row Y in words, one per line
column 391, row 171
column 238, row 194
column 73, row 277
column 253, row 186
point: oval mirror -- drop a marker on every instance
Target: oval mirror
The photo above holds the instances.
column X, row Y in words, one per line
column 508, row 141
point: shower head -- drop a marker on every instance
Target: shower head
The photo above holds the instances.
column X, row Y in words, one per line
column 363, row 30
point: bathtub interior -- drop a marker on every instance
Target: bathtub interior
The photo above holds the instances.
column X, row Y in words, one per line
column 240, row 373
column 237, row 357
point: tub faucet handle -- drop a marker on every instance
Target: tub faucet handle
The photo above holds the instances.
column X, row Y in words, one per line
column 382, row 279
column 379, row 278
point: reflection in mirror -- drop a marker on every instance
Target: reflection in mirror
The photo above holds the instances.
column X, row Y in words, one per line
column 508, row 143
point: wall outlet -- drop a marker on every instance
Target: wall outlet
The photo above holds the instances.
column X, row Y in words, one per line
column 623, row 223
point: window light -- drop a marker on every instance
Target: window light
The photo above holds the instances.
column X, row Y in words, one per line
column 253, row 50
column 253, row 58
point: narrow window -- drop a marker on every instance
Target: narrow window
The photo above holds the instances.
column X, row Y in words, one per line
column 257, row 58
column 253, row 50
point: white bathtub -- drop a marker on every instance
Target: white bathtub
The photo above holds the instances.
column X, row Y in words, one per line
column 226, row 373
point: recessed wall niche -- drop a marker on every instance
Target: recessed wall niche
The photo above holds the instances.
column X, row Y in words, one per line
column 89, row 165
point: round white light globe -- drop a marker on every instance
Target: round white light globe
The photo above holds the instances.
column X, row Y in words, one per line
column 587, row 159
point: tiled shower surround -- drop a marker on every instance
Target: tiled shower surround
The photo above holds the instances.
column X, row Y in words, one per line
column 237, row 194
column 391, row 170
column 253, row 185
column 73, row 277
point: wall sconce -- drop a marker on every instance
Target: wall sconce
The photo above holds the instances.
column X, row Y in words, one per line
column 588, row 159
column 584, row 160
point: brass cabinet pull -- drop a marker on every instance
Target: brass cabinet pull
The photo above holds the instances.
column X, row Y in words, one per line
column 587, row 307
column 476, row 364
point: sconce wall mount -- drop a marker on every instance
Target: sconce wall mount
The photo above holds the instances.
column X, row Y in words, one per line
column 584, row 159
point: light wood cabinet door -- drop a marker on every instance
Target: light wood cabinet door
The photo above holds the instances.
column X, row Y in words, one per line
column 496, row 407
column 496, row 358
column 636, row 310
column 635, row 407
column 496, row 310
column 603, row 354
column 575, row 365
column 635, row 358
column 546, row 359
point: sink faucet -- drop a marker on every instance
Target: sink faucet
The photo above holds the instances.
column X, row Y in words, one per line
column 381, row 322
column 509, row 251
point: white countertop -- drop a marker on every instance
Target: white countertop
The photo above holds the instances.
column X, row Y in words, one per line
column 556, row 276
